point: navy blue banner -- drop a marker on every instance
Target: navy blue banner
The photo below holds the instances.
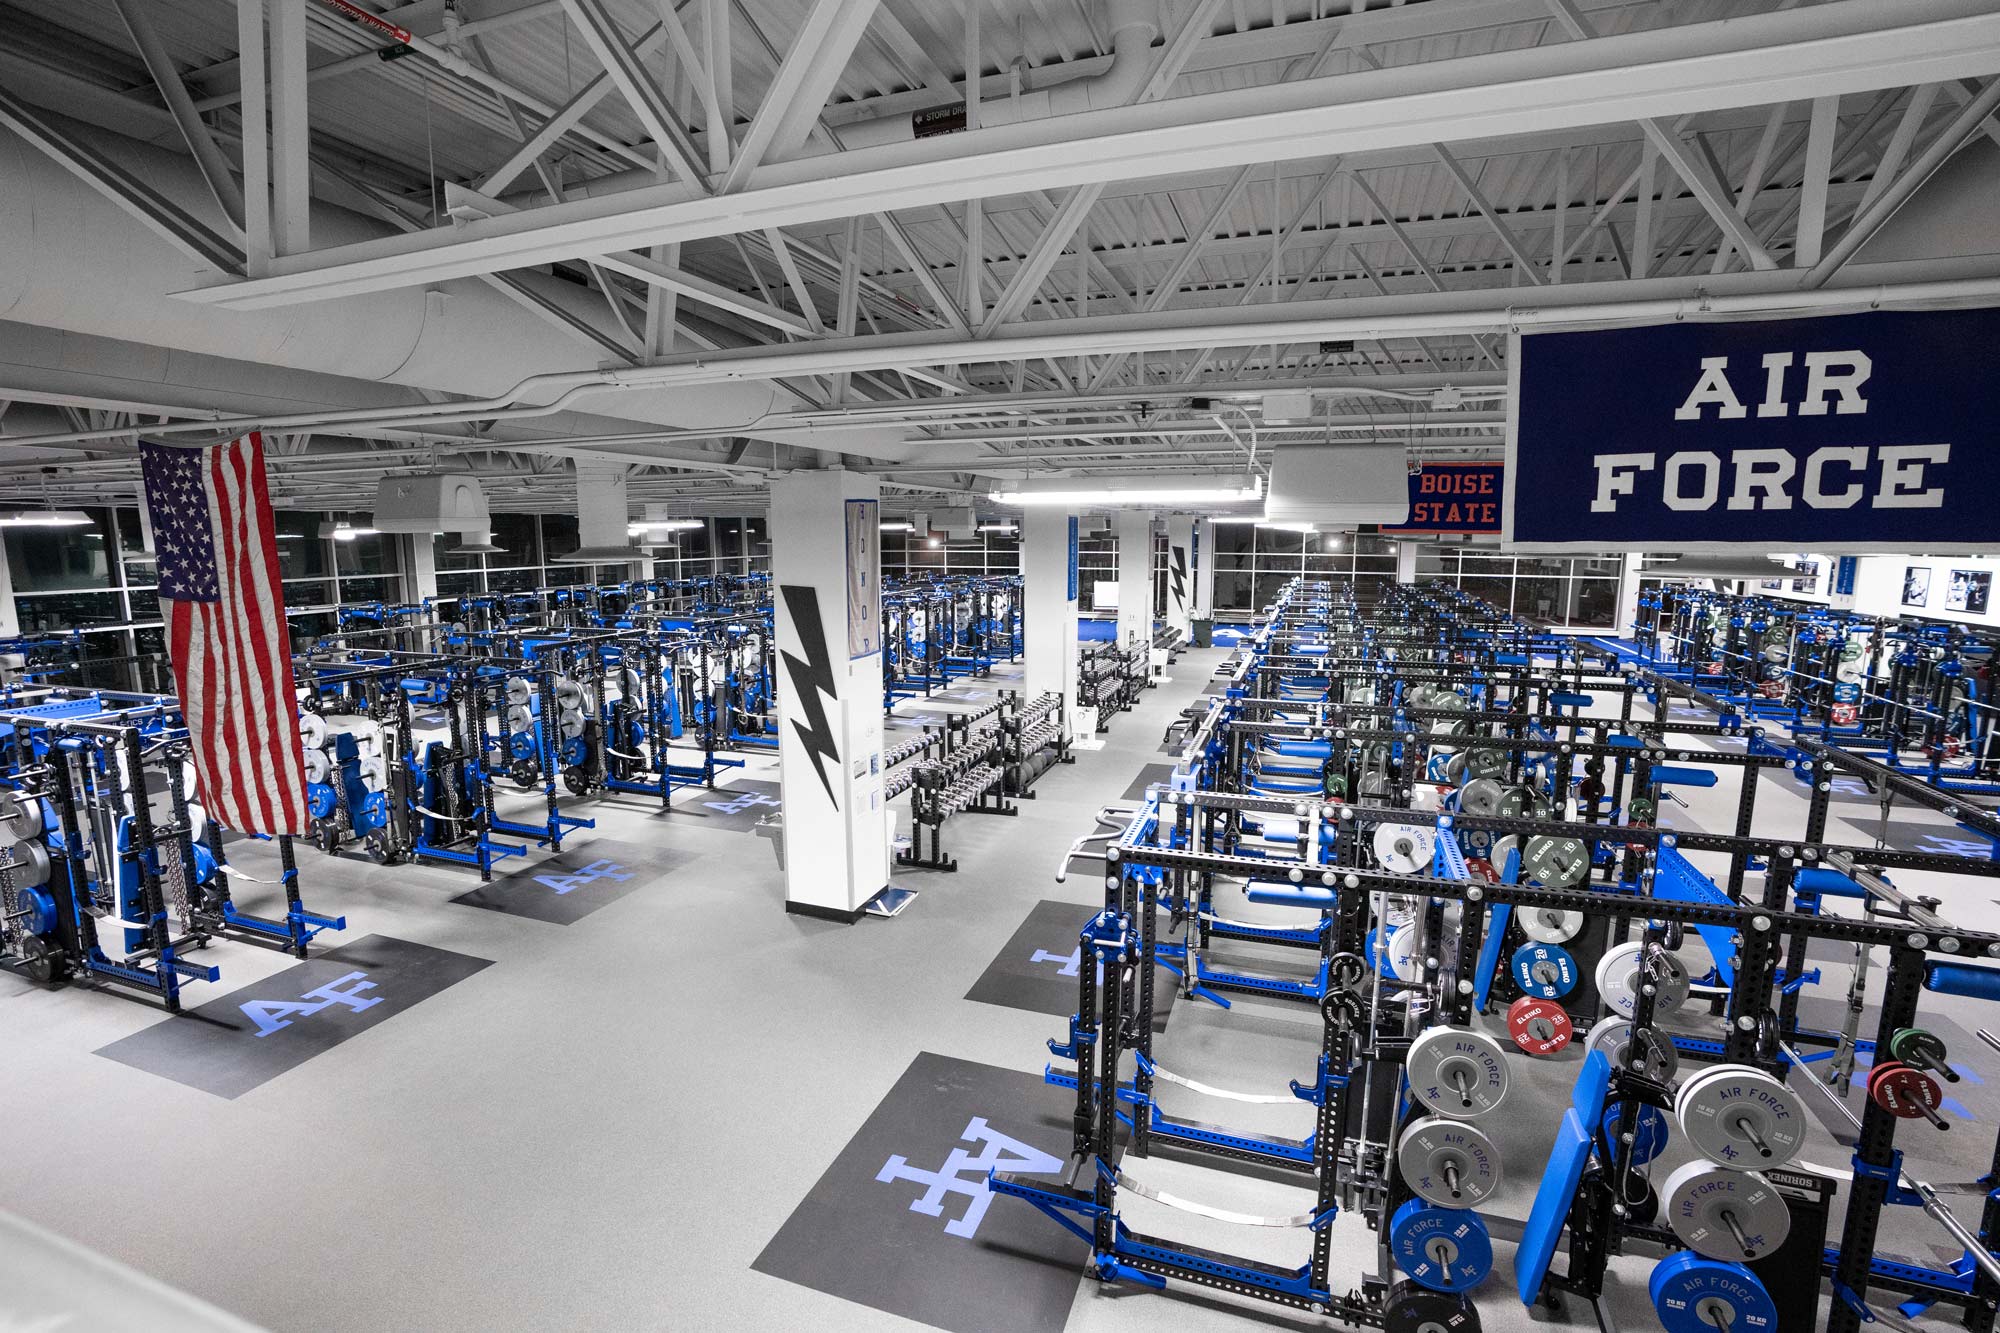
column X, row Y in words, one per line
column 1846, row 432
column 1454, row 497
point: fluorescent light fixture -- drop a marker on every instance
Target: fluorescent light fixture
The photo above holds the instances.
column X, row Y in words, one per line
column 343, row 531
column 998, row 527
column 644, row 526
column 898, row 525
column 44, row 518
column 1306, row 528
column 1132, row 491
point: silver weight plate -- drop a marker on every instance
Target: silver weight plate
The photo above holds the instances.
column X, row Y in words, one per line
column 1613, row 1034
column 519, row 718
column 1497, row 854
column 1555, row 863
column 1454, row 769
column 1722, row 1213
column 1740, row 1116
column 1617, row 978
column 569, row 694
column 1549, row 925
column 1450, row 1163
column 1480, row 797
column 1483, row 763
column 20, row 818
column 28, row 862
column 1405, row 849
column 1516, row 802
column 1401, row 951
column 519, row 691
column 316, row 765
column 1457, row 1071
column 312, row 730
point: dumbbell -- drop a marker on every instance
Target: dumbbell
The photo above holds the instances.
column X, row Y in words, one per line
column 1906, row 1093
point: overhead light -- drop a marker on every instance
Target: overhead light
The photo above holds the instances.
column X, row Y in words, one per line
column 934, row 542
column 1137, row 491
column 898, row 525
column 343, row 531
column 644, row 526
column 998, row 527
column 1447, row 399
column 481, row 543
column 1306, row 528
column 43, row 518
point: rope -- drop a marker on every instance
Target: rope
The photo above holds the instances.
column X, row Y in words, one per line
column 234, row 873
column 1206, row 1090
column 1203, row 1210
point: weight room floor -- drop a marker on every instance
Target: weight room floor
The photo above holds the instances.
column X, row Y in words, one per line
column 606, row 1127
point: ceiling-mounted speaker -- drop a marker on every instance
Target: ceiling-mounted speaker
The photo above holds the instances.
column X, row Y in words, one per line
column 1092, row 525
column 956, row 523
column 432, row 502
column 1339, row 484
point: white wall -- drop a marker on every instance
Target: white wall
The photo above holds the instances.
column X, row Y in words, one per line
column 1878, row 585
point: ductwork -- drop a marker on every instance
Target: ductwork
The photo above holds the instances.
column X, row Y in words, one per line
column 71, row 260
column 1135, row 25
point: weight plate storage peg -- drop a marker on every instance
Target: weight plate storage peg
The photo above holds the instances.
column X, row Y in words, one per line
column 1657, row 1057
column 1740, row 1116
column 1555, row 863
column 1549, row 925
column 1457, row 1071
column 1906, row 1093
column 1405, row 849
column 1722, row 1213
column 1413, row 1309
column 1538, row 1026
column 1696, row 1295
column 1545, row 971
column 1443, row 1249
column 1450, row 1163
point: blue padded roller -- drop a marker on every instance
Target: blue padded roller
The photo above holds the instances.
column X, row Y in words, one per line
column 1826, row 883
column 1676, row 775
column 1979, row 983
column 1300, row 749
column 1290, row 895
column 1570, row 700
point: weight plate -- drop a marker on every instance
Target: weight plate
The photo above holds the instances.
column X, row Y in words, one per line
column 1484, row 763
column 1502, row 848
column 374, row 772
column 1481, row 798
column 1613, row 1034
column 1442, row 1249
column 1515, row 802
column 1924, row 1049
column 1454, row 769
column 1545, row 971
column 1902, row 1091
column 320, row 800
column 1405, row 962
column 20, row 817
column 1479, row 868
column 1696, row 1295
column 1539, row 1027
column 1723, row 1213
column 1405, row 849
column 1555, row 863
column 1451, row 1163
column 569, row 694
column 1649, row 1131
column 1549, row 925
column 312, row 730
column 518, row 692
column 316, row 765
column 1412, row 1309
column 1617, row 978
column 570, row 724
column 1735, row 1114
column 28, row 863
column 519, row 717
column 38, row 914
column 1457, row 1071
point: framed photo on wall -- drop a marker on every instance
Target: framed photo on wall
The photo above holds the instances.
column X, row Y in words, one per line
column 1916, row 585
column 1808, row 580
column 1970, row 591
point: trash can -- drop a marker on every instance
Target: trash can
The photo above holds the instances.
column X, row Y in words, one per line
column 1202, row 632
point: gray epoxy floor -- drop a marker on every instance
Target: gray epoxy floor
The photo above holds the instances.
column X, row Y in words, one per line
column 604, row 1129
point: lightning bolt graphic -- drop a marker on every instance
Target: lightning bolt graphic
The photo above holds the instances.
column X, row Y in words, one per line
column 1179, row 569
column 809, row 679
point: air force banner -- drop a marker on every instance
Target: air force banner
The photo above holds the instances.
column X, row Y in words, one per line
column 1876, row 431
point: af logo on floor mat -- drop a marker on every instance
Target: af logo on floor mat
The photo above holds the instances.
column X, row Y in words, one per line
column 588, row 874
column 1038, row 969
column 250, row 1036
column 737, row 807
column 903, row 1220
column 964, row 1174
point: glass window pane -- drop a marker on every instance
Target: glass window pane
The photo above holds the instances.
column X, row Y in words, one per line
column 558, row 536
column 58, row 559
column 302, row 552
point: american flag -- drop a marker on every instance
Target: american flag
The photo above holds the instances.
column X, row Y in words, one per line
column 225, row 617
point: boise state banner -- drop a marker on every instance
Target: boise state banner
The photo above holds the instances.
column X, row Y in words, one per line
column 1454, row 497
column 1877, row 431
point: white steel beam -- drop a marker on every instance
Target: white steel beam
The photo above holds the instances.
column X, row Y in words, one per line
column 291, row 164
column 257, row 250
column 804, row 81
column 1811, row 239
column 565, row 118
column 1845, row 45
column 629, row 75
column 208, row 158
column 1522, row 264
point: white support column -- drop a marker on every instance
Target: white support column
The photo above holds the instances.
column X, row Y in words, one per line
column 1204, row 569
column 601, row 512
column 826, row 565
column 1180, row 571
column 291, row 171
column 1048, row 581
column 1135, row 576
column 420, row 577
column 250, row 71
column 1628, row 592
column 1406, row 561
column 10, row 618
